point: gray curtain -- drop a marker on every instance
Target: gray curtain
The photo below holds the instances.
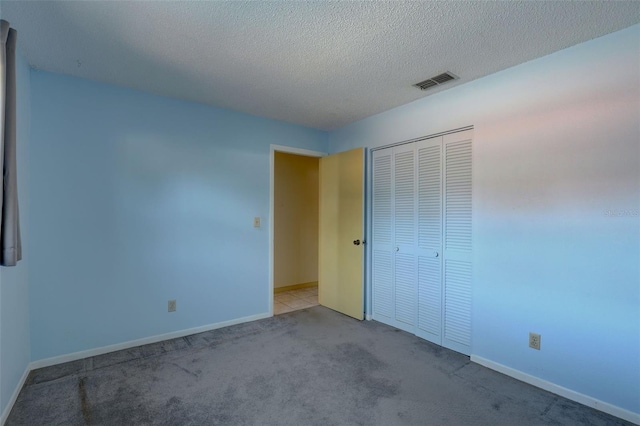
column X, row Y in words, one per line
column 10, row 244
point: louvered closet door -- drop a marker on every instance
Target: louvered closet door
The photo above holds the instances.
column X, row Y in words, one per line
column 429, row 196
column 382, row 237
column 421, row 271
column 456, row 268
column 405, row 236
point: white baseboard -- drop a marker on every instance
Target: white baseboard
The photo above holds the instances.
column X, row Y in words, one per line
column 589, row 401
column 139, row 342
column 14, row 396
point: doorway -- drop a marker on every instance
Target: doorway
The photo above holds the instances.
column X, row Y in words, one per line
column 290, row 213
column 340, row 232
column 295, row 232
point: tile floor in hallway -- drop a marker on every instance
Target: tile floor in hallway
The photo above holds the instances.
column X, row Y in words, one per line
column 293, row 300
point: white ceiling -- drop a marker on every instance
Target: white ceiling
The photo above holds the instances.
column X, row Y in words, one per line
column 321, row 64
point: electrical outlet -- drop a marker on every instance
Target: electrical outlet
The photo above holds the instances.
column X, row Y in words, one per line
column 172, row 305
column 534, row 340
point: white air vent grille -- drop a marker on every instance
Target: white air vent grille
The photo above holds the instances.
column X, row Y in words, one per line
column 434, row 81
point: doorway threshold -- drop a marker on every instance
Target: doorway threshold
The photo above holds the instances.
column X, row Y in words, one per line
column 293, row 300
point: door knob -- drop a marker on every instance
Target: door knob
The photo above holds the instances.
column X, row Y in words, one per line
column 397, row 248
column 435, row 254
column 356, row 242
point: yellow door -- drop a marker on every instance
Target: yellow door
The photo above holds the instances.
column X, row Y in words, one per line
column 341, row 228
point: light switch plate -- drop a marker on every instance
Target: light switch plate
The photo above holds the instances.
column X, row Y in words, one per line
column 256, row 222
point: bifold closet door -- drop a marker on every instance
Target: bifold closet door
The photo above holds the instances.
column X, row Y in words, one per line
column 382, row 237
column 421, row 238
column 394, row 262
column 405, row 283
column 456, row 269
column 429, row 195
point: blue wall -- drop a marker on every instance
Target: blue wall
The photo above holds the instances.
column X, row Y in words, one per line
column 14, row 284
column 556, row 148
column 134, row 199
column 137, row 199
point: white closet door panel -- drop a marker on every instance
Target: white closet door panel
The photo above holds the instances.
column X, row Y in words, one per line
column 383, row 304
column 382, row 217
column 405, row 238
column 457, row 218
column 429, row 194
column 429, row 298
column 405, row 288
column 458, row 192
column 429, row 198
column 457, row 305
column 404, row 195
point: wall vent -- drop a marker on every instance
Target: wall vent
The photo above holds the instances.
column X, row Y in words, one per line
column 434, row 81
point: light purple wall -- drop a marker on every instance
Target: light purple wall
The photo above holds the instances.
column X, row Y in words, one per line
column 556, row 152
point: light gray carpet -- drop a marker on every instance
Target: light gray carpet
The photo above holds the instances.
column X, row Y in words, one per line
column 310, row 367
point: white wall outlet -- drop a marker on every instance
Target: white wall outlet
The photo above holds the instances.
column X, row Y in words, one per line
column 172, row 305
column 534, row 340
column 256, row 222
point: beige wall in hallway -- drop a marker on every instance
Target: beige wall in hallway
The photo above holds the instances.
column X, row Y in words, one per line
column 295, row 220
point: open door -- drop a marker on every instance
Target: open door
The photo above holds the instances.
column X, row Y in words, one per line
column 341, row 228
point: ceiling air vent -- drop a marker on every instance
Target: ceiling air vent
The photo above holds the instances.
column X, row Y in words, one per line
column 434, row 81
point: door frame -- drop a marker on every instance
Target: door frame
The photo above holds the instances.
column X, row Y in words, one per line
column 272, row 157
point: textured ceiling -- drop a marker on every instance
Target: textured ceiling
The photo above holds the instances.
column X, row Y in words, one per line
column 320, row 64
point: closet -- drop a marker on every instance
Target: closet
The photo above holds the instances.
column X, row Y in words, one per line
column 421, row 238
